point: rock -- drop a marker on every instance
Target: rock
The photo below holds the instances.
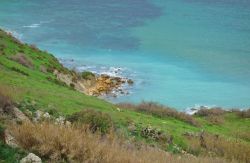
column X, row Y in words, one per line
column 132, row 128
column 46, row 115
column 9, row 139
column 19, row 115
column 31, row 158
column 130, row 81
column 108, row 81
column 67, row 123
column 60, row 120
column 38, row 114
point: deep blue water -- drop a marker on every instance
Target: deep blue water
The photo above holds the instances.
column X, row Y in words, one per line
column 179, row 52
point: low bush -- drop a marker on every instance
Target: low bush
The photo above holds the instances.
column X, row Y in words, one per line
column 215, row 120
column 56, row 81
column 96, row 120
column 19, row 71
column 210, row 112
column 87, row 75
column 23, row 60
column 160, row 111
column 243, row 113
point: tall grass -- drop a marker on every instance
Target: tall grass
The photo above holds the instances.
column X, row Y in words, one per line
column 159, row 111
column 73, row 144
column 215, row 145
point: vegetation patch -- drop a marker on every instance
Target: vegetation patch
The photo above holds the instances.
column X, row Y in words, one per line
column 23, row 60
column 87, row 75
column 160, row 111
column 97, row 121
column 19, row 71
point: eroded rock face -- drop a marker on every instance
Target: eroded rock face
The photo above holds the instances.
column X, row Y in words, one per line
column 94, row 86
column 31, row 158
column 105, row 84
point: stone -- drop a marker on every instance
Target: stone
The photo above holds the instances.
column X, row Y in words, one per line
column 67, row 123
column 31, row 158
column 130, row 81
column 60, row 120
column 38, row 114
column 19, row 115
column 46, row 115
column 9, row 139
column 108, row 81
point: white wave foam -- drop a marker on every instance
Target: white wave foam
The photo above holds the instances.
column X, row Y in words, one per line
column 197, row 107
column 14, row 33
column 36, row 25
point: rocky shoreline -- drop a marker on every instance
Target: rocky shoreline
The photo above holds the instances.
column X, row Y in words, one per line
column 94, row 84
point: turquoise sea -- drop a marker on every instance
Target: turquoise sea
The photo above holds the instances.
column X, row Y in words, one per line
column 180, row 53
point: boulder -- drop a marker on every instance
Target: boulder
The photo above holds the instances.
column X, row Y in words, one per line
column 9, row 139
column 46, row 115
column 31, row 158
column 38, row 114
column 60, row 120
column 130, row 81
column 19, row 115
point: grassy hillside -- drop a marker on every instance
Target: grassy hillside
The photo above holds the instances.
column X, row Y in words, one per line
column 26, row 73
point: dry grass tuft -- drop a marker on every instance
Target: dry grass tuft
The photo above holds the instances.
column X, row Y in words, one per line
column 214, row 145
column 23, row 60
column 160, row 111
column 73, row 144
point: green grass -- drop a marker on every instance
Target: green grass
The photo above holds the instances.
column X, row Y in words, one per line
column 36, row 87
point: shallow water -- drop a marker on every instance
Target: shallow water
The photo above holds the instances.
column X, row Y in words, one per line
column 180, row 53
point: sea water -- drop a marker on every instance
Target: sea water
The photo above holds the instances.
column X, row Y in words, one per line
column 179, row 53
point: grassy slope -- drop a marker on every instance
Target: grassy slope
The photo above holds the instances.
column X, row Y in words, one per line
column 37, row 87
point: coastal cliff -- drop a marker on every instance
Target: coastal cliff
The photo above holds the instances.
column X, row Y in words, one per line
column 45, row 115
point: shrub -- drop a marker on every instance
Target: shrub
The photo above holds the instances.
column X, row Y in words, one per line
column 56, row 81
column 23, row 60
column 160, row 111
column 243, row 113
column 210, row 112
column 72, row 85
column 87, row 75
column 215, row 120
column 19, row 71
column 96, row 120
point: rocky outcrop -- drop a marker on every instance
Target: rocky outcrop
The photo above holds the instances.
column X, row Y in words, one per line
column 31, row 158
column 94, row 86
column 14, row 113
column 105, row 84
